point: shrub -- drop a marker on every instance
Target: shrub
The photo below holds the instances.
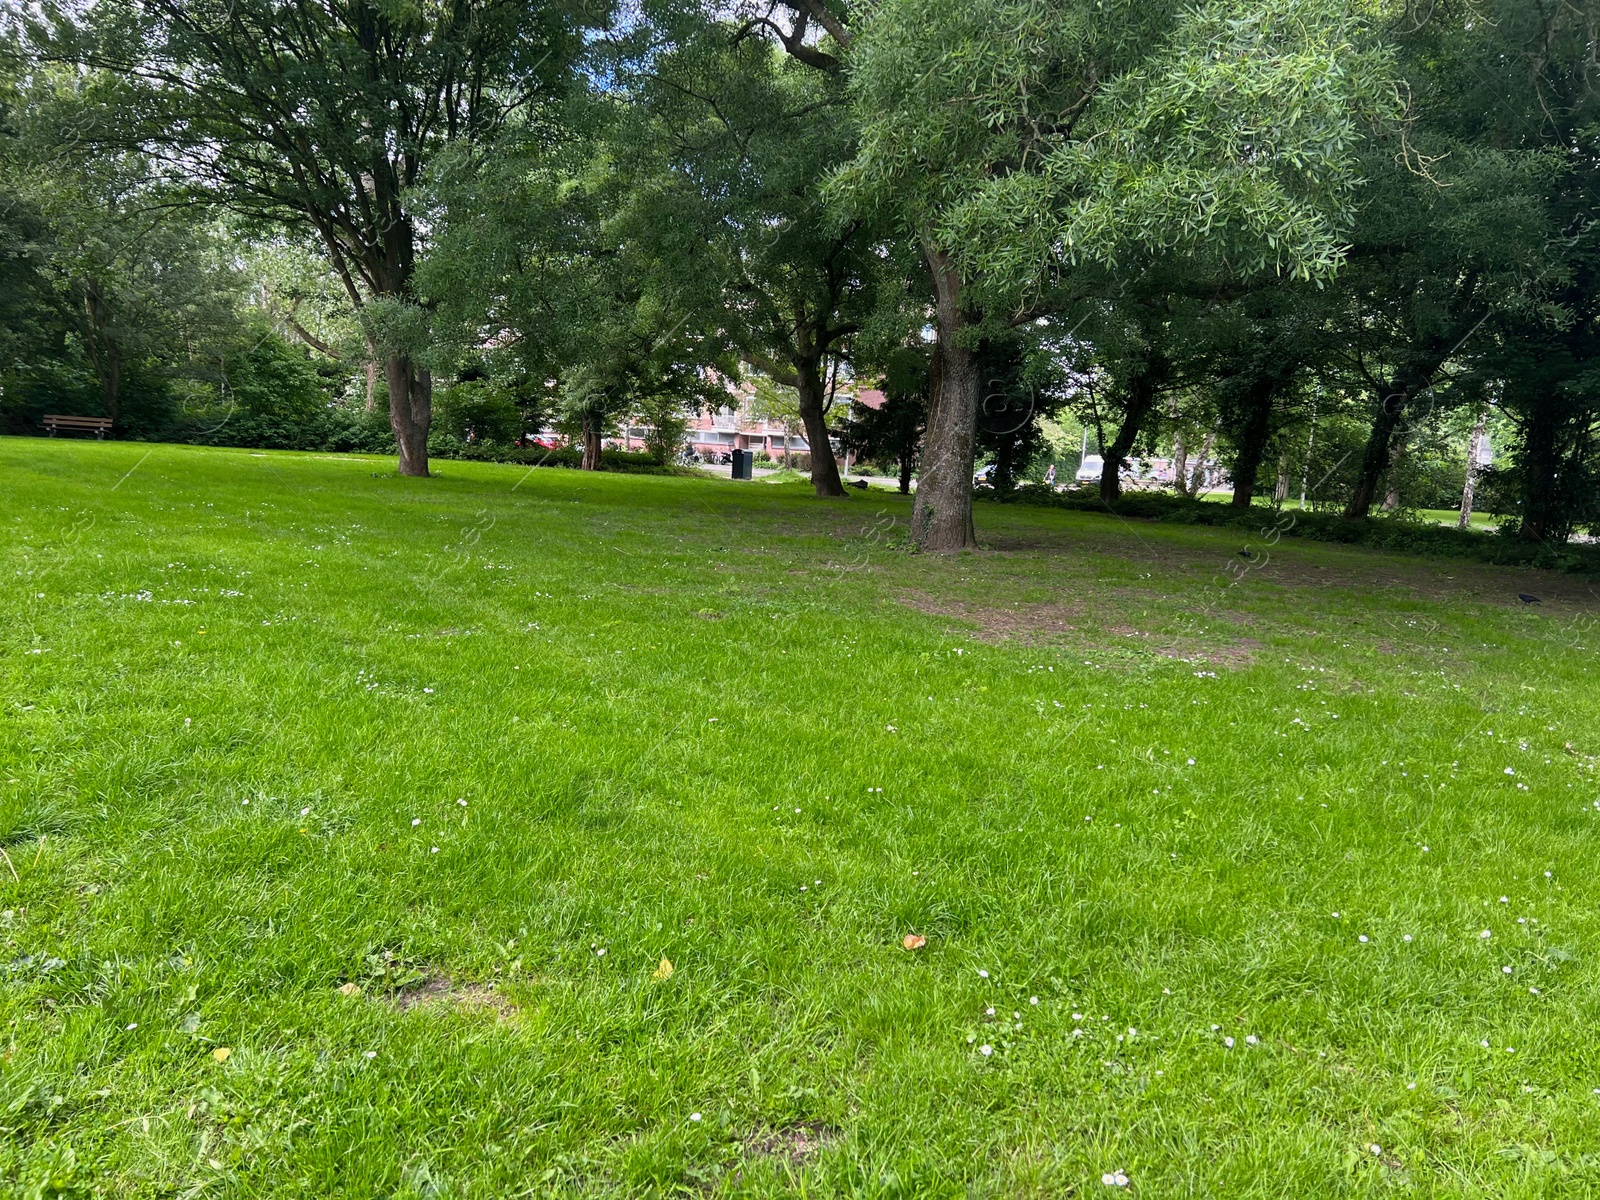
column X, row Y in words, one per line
column 622, row 461
column 477, row 408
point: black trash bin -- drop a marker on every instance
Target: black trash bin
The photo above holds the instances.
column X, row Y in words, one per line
column 744, row 463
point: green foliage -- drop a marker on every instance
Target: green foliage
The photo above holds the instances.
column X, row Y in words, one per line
column 557, row 249
column 273, row 395
column 1031, row 137
column 666, row 421
column 625, row 462
column 892, row 432
column 745, row 137
column 610, row 226
column 1023, row 384
column 123, row 293
column 478, row 409
column 775, row 403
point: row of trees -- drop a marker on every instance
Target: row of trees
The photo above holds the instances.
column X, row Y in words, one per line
column 1221, row 230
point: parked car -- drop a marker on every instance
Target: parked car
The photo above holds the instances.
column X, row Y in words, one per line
column 1136, row 473
column 1090, row 469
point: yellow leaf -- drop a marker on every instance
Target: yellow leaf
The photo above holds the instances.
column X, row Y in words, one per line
column 350, row 989
column 221, row 1053
column 664, row 971
column 914, row 941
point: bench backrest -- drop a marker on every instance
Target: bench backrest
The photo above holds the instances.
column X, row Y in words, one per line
column 79, row 422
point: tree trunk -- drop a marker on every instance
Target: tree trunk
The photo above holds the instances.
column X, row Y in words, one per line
column 905, row 472
column 1199, row 475
column 104, row 353
column 410, row 411
column 1141, row 399
column 1280, row 491
column 1253, row 438
column 941, row 518
column 111, row 379
column 1375, row 459
column 591, row 443
column 811, row 391
column 372, row 378
column 1005, row 469
column 1541, row 465
column 1470, row 487
column 1180, row 464
column 1391, row 493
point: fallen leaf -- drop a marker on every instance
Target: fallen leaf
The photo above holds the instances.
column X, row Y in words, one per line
column 664, row 971
column 350, row 989
column 914, row 941
column 221, row 1053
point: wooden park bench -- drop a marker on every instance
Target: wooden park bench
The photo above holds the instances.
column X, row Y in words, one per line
column 100, row 425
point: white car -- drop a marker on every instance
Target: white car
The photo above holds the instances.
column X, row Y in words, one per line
column 1090, row 469
column 1138, row 473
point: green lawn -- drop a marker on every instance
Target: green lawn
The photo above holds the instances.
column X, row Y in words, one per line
column 1481, row 521
column 1227, row 884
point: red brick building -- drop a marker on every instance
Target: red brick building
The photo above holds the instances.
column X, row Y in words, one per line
column 738, row 427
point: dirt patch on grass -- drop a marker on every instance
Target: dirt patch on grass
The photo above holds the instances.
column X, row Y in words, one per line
column 439, row 991
column 795, row 1144
column 1238, row 653
column 1074, row 625
column 1018, row 622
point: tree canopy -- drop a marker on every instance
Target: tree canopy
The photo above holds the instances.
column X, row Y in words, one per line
column 1254, row 240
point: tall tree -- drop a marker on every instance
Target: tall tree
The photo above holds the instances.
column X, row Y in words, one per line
column 141, row 273
column 1023, row 384
column 328, row 114
column 751, row 136
column 32, row 326
column 1433, row 258
column 1020, row 139
column 1259, row 344
column 1453, row 232
column 1525, row 78
column 892, row 432
column 572, row 253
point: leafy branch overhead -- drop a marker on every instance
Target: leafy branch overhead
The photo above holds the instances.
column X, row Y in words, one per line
column 1108, row 134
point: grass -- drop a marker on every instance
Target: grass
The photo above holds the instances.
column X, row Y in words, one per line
column 493, row 745
column 1482, row 521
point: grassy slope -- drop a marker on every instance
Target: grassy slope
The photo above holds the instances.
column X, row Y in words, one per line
column 668, row 705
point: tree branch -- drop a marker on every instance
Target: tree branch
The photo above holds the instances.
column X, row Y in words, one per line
column 770, row 368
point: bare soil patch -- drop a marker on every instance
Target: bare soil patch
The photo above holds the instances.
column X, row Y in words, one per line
column 1039, row 624
column 1240, row 652
column 795, row 1144
column 1017, row 622
column 439, row 991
